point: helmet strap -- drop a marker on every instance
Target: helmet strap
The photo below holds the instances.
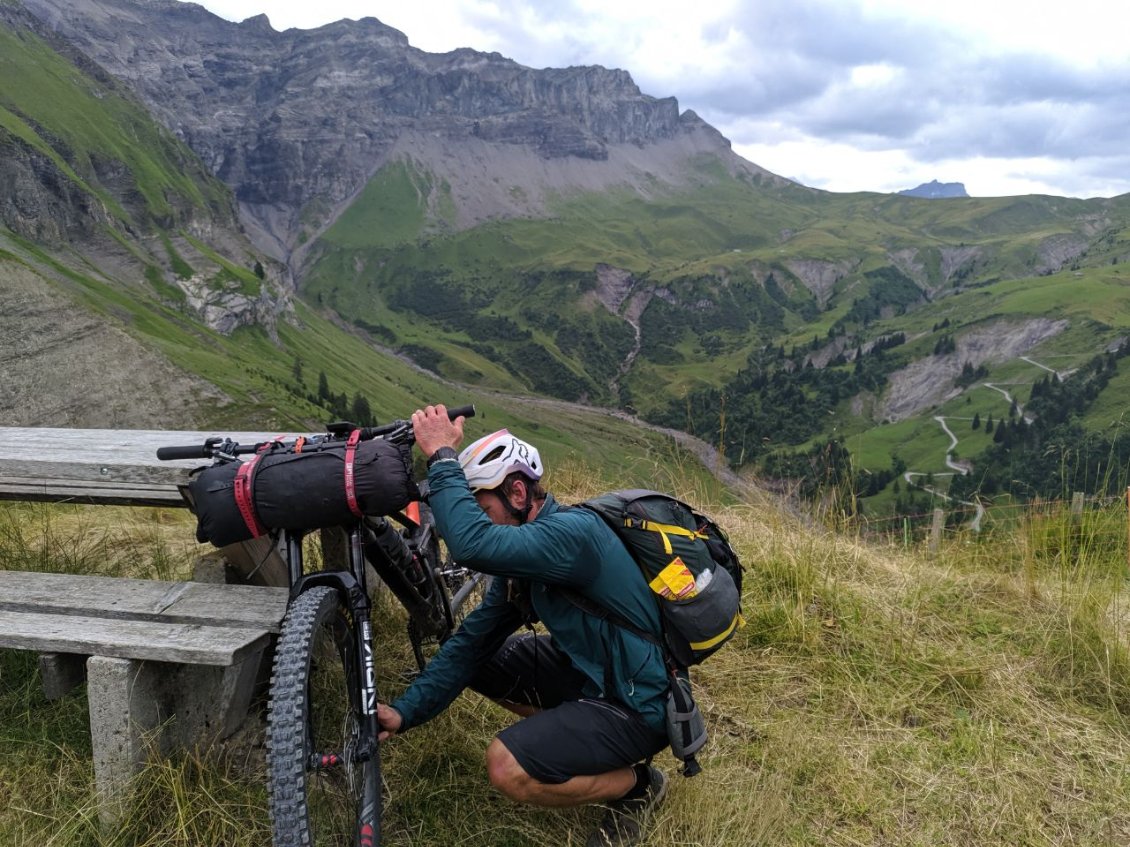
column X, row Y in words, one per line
column 521, row 515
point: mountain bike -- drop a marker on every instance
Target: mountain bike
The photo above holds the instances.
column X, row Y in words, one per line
column 322, row 750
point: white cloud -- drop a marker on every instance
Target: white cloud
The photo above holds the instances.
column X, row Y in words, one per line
column 1084, row 32
column 874, row 76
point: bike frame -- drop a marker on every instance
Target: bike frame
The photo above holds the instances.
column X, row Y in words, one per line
column 367, row 543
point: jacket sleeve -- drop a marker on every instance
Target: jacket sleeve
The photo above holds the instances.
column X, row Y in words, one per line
column 450, row 671
column 556, row 549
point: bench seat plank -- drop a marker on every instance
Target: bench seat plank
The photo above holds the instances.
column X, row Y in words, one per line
column 44, row 490
column 128, row 639
column 103, row 455
column 95, row 596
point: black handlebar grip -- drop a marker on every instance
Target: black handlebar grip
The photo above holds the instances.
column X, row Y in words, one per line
column 467, row 411
column 196, row 451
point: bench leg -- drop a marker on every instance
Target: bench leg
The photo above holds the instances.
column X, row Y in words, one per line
column 124, row 707
column 211, row 703
column 131, row 703
column 60, row 672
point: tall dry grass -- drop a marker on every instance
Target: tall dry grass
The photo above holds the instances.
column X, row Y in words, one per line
column 877, row 695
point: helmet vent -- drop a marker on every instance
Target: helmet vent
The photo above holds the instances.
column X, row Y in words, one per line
column 496, row 453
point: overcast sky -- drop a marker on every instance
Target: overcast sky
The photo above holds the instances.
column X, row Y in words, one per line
column 1007, row 96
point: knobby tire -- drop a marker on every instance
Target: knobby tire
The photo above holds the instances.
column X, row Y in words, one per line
column 314, row 711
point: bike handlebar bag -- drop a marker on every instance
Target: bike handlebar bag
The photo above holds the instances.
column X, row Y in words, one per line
column 321, row 486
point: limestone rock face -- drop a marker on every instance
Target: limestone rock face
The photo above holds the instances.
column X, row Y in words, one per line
column 296, row 122
column 63, row 365
column 40, row 203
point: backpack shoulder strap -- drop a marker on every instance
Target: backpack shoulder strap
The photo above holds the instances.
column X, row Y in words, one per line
column 587, row 604
column 590, row 606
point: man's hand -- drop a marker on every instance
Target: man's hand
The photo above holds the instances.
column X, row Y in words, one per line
column 389, row 720
column 433, row 430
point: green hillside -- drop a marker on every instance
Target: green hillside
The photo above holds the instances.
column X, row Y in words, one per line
column 92, row 130
column 272, row 383
column 730, row 272
column 878, row 694
column 768, row 319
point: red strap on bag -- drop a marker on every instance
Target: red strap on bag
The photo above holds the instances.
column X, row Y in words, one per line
column 350, row 488
column 243, row 496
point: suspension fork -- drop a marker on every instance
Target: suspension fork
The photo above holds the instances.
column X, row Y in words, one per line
column 360, row 607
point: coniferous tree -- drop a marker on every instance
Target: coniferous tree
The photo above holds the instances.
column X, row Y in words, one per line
column 976, row 420
column 362, row 411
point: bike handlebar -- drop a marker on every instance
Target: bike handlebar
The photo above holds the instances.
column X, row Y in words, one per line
column 215, row 445
column 196, row 451
column 368, row 432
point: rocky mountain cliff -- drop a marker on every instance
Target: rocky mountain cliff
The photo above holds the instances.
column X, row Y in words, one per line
column 297, row 122
column 69, row 173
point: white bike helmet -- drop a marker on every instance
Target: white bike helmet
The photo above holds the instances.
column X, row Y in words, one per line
column 488, row 461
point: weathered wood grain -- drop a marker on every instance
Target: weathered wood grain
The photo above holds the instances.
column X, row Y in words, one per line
column 104, row 455
column 128, row 639
column 143, row 599
column 91, row 492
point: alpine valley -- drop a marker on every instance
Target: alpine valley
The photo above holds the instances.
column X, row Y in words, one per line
column 212, row 224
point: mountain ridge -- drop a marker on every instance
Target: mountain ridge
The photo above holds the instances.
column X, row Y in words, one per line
column 294, row 157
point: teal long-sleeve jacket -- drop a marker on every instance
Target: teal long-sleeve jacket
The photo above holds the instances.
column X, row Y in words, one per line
column 570, row 547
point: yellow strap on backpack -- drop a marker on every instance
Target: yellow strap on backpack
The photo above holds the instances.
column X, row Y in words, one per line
column 738, row 621
column 664, row 530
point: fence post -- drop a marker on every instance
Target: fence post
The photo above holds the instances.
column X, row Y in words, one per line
column 1077, row 503
column 936, row 530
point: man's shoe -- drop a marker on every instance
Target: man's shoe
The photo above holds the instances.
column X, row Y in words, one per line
column 623, row 824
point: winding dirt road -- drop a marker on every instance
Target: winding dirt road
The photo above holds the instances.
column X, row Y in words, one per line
column 963, row 469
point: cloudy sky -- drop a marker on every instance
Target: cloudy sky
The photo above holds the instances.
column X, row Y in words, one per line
column 1007, row 96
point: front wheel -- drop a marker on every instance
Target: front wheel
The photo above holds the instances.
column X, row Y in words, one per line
column 324, row 790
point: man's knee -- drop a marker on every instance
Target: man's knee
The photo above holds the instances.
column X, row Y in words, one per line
column 505, row 773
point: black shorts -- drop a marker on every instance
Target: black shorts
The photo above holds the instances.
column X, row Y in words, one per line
column 573, row 735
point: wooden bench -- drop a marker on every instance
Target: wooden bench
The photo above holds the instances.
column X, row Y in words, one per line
column 166, row 663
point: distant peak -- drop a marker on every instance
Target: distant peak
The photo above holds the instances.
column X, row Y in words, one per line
column 934, row 190
column 260, row 21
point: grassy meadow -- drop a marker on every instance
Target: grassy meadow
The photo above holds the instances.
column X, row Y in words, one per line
column 877, row 695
